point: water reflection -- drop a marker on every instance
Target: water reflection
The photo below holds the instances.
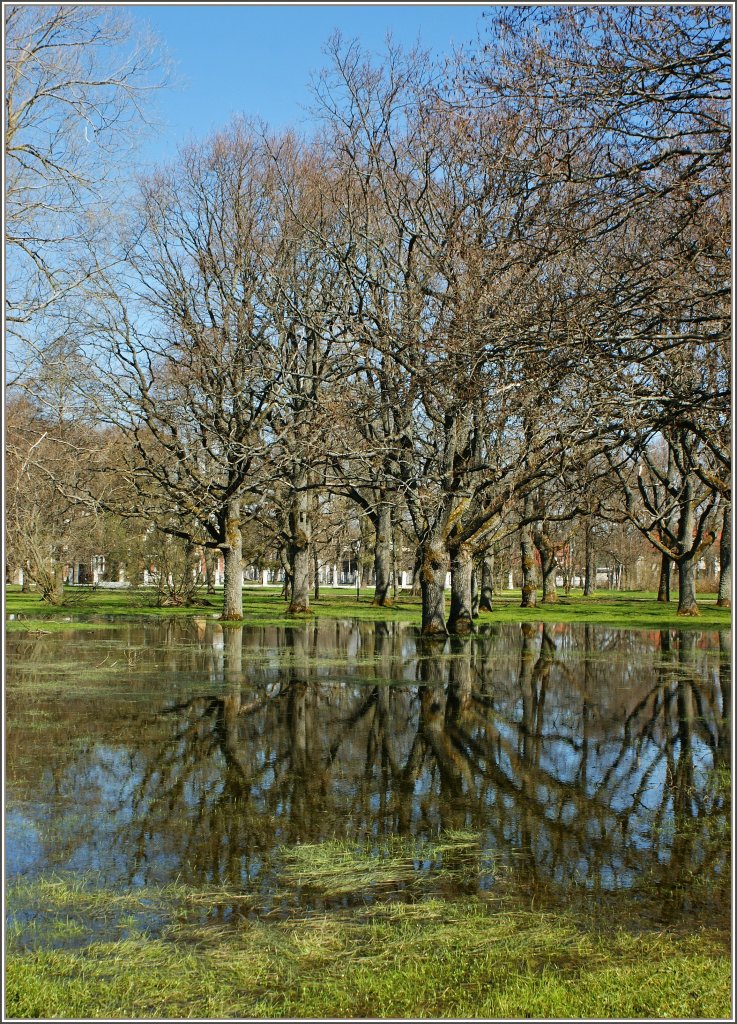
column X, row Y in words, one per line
column 582, row 756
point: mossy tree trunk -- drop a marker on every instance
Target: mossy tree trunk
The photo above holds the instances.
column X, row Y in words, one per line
column 233, row 554
column 687, row 562
column 286, row 589
column 725, row 560
column 475, row 593
column 433, row 562
column 487, row 580
column 549, row 567
column 589, row 585
column 416, row 588
column 383, row 556
column 527, row 557
column 669, row 532
column 687, row 604
column 548, row 564
column 460, row 620
column 52, row 586
column 395, row 570
column 300, row 540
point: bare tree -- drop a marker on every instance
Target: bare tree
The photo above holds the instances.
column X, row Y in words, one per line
column 303, row 297
column 46, row 529
column 446, row 255
column 78, row 83
column 666, row 501
column 183, row 358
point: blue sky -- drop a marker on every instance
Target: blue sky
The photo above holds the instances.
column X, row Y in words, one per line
column 256, row 59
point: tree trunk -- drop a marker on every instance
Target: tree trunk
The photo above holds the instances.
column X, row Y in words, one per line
column 210, row 564
column 191, row 573
column 315, row 575
column 666, row 564
column 383, row 557
column 589, row 586
column 475, row 594
column 460, row 620
column 527, row 554
column 550, row 592
column 725, row 561
column 687, row 561
column 394, row 566
column 300, row 537
column 233, row 552
column 487, row 580
column 55, row 592
column 548, row 563
column 416, row 588
column 433, row 562
column 286, row 589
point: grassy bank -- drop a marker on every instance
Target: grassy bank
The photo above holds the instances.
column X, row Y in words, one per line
column 432, row 957
column 264, row 606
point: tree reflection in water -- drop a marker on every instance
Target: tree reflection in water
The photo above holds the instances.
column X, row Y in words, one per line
column 580, row 756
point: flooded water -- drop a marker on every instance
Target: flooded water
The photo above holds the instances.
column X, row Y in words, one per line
column 579, row 762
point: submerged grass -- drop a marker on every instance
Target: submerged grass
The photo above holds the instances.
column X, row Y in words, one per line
column 339, row 868
column 424, row 956
column 432, row 959
column 623, row 609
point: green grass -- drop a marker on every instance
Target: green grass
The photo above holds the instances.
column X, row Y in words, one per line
column 622, row 609
column 416, row 955
column 434, row 958
column 86, row 601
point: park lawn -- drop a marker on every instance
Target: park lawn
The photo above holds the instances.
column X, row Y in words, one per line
column 265, row 606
